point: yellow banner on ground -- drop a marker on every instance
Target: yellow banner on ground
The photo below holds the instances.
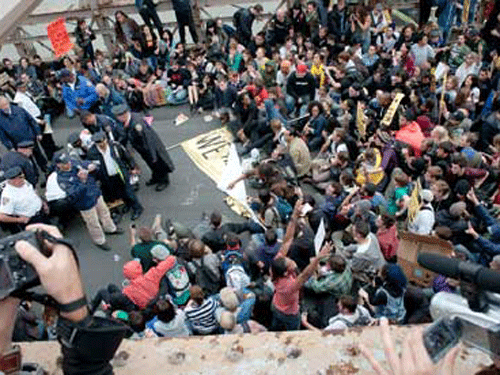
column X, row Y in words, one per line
column 210, row 151
column 389, row 115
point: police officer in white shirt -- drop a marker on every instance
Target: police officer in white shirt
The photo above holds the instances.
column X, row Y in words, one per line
column 19, row 203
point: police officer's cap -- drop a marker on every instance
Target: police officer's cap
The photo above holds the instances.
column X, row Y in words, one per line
column 13, row 172
column 61, row 157
column 98, row 137
column 119, row 110
column 25, row 144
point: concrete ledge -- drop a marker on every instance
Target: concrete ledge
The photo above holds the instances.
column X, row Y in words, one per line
column 284, row 353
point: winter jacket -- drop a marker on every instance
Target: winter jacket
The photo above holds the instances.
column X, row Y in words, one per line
column 144, row 287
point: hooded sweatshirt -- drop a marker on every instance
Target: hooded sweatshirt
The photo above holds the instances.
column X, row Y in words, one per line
column 144, row 287
column 412, row 135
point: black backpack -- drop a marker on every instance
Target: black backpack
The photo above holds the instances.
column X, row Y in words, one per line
column 206, row 279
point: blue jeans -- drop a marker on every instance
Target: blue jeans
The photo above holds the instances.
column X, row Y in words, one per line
column 291, row 104
column 284, row 322
column 177, row 97
column 246, row 307
column 492, row 224
column 272, row 112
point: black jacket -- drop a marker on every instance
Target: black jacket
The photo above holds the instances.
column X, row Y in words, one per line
column 301, row 86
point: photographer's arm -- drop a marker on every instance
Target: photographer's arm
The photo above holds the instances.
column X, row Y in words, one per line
column 414, row 358
column 59, row 274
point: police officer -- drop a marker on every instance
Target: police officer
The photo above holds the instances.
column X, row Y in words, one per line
column 21, row 157
column 96, row 123
column 17, row 125
column 76, row 179
column 115, row 163
column 146, row 142
column 19, row 203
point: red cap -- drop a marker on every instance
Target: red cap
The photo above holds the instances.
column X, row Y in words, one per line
column 301, row 68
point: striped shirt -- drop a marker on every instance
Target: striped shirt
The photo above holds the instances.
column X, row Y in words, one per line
column 202, row 318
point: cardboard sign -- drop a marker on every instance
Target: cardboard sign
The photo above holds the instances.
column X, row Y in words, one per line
column 319, row 237
column 59, row 37
column 465, row 11
column 414, row 204
column 391, row 111
column 360, row 120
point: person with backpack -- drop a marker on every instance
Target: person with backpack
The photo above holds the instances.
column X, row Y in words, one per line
column 351, row 314
column 176, row 281
column 243, row 21
column 234, row 264
column 204, row 268
column 388, row 299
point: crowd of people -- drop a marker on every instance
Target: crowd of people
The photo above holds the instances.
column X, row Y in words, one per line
column 395, row 128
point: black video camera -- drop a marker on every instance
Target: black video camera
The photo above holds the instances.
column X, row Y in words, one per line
column 16, row 275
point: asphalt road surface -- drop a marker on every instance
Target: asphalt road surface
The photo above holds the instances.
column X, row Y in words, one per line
column 189, row 194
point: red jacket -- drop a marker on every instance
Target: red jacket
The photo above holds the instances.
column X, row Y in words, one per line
column 144, row 287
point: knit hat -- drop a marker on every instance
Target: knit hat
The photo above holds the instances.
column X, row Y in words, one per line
column 229, row 299
column 160, row 252
column 285, row 64
column 301, row 69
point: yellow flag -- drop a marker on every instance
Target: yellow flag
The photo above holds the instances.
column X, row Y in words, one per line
column 360, row 120
column 389, row 115
column 414, row 204
column 387, row 16
column 465, row 11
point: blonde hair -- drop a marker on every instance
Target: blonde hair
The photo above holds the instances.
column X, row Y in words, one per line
column 227, row 320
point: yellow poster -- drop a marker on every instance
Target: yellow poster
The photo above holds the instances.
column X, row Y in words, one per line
column 389, row 115
column 360, row 120
column 414, row 204
column 465, row 11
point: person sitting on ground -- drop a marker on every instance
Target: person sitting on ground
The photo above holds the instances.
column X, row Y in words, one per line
column 143, row 249
column 200, row 312
column 351, row 314
column 169, row 321
column 228, row 323
column 364, row 256
column 335, row 278
column 423, row 223
column 141, row 288
column 388, row 300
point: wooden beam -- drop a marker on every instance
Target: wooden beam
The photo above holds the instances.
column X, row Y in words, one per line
column 109, row 10
column 13, row 13
column 109, row 30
